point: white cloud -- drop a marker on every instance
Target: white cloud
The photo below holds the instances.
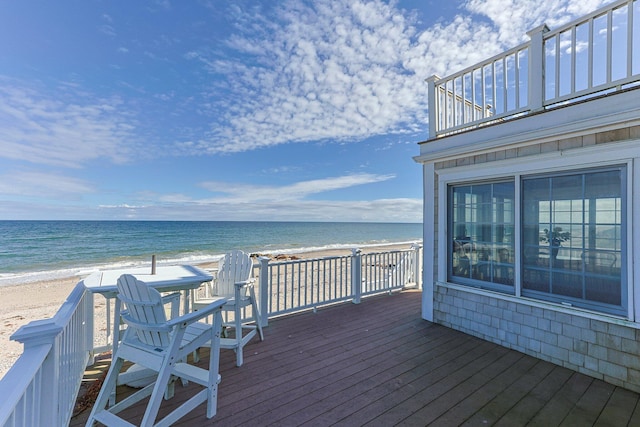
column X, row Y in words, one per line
column 107, row 29
column 285, row 203
column 327, row 71
column 513, row 18
column 43, row 128
column 123, row 206
column 43, row 186
column 297, row 191
column 347, row 70
column 383, row 210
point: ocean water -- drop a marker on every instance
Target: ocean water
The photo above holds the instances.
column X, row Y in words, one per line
column 34, row 250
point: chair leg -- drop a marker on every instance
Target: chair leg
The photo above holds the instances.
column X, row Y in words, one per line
column 256, row 313
column 258, row 319
column 159, row 390
column 108, row 387
column 238, row 325
column 214, row 366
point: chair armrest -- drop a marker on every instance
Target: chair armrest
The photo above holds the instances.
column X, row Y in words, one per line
column 194, row 316
column 171, row 298
column 244, row 283
column 209, row 285
column 174, row 299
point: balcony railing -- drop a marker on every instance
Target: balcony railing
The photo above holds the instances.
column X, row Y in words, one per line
column 41, row 388
column 310, row 283
column 588, row 57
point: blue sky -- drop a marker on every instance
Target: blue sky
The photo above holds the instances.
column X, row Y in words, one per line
column 233, row 110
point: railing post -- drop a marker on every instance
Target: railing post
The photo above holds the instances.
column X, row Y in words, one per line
column 356, row 274
column 417, row 264
column 433, row 106
column 536, row 67
column 264, row 290
column 38, row 333
column 90, row 322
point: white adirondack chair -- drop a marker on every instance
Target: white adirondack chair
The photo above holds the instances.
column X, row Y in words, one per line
column 233, row 281
column 161, row 345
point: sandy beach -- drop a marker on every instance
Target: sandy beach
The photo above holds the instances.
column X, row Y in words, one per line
column 23, row 303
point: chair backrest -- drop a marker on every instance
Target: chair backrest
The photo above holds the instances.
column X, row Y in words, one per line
column 237, row 266
column 144, row 314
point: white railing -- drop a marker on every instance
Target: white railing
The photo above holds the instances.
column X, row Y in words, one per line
column 298, row 285
column 386, row 271
column 303, row 284
column 40, row 389
column 588, row 57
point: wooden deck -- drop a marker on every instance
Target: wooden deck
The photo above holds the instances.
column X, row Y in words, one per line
column 378, row 363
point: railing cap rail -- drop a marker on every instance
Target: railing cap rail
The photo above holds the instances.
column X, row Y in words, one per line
column 484, row 63
column 37, row 332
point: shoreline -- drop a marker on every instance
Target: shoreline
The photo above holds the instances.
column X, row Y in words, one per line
column 22, row 303
column 78, row 272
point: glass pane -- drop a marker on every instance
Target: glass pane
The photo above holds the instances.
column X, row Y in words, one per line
column 582, row 56
column 603, row 185
column 604, row 290
column 572, row 237
column 482, row 222
column 619, row 43
column 565, row 62
column 550, row 68
column 523, row 84
column 566, row 188
column 511, row 81
column 499, row 89
column 488, row 91
column 536, row 280
column 566, row 284
column 599, row 50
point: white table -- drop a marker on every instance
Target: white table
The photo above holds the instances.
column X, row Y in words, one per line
column 166, row 279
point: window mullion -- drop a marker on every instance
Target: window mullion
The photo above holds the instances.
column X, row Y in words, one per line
column 517, row 236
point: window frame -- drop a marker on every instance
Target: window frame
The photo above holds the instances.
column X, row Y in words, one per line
column 450, row 254
column 557, row 297
column 593, row 157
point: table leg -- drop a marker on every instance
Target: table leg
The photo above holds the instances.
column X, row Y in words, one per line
column 116, row 324
column 186, row 297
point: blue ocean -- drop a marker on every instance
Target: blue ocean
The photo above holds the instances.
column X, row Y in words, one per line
column 34, row 250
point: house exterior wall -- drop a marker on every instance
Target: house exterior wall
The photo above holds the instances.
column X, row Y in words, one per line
column 605, row 349
column 610, row 136
column 532, row 205
column 599, row 345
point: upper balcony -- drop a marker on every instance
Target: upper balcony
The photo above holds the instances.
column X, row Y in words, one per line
column 587, row 58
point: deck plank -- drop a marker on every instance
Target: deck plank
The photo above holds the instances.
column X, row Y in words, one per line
column 459, row 412
column 532, row 402
column 561, row 403
column 588, row 408
column 378, row 363
column 619, row 409
column 507, row 398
